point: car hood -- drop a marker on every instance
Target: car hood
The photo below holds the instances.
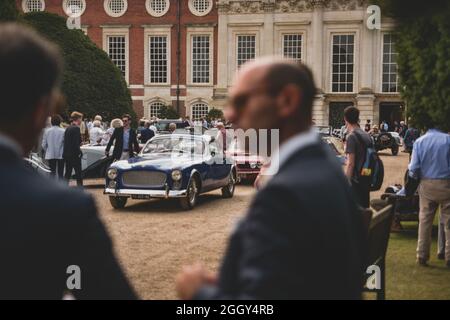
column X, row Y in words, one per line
column 160, row 161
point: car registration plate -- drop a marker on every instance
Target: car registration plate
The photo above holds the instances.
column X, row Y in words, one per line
column 140, row 196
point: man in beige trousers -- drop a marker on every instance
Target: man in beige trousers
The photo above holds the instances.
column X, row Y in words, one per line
column 431, row 162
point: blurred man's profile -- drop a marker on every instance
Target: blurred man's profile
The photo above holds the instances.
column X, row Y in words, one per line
column 46, row 229
column 302, row 237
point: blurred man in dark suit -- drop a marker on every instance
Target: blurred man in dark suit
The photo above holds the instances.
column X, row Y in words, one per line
column 146, row 132
column 48, row 233
column 303, row 236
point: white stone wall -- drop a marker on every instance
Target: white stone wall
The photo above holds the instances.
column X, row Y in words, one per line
column 317, row 21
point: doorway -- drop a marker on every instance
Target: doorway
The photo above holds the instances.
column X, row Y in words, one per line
column 390, row 112
column 336, row 114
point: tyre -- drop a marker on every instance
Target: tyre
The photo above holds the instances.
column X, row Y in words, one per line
column 190, row 200
column 228, row 190
column 118, row 202
column 394, row 150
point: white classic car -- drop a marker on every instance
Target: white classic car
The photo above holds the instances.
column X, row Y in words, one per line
column 94, row 163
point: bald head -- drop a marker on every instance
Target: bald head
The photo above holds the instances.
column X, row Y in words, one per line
column 277, row 88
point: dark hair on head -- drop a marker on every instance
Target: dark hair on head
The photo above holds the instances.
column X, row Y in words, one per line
column 30, row 70
column 281, row 74
column 126, row 115
column 56, row 120
column 351, row 114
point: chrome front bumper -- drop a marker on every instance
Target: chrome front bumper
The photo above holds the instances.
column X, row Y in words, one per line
column 143, row 194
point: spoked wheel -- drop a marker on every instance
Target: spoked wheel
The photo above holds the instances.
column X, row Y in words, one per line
column 190, row 200
column 118, row 202
column 228, row 190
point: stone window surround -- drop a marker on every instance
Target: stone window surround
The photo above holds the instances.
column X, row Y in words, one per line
column 378, row 67
column 197, row 13
column 281, row 30
column 234, row 31
column 330, row 31
column 157, row 30
column 112, row 14
column 64, row 5
column 192, row 31
column 154, row 13
column 25, row 7
column 197, row 102
column 111, row 30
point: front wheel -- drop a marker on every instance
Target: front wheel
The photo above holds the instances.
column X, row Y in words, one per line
column 228, row 190
column 394, row 150
column 190, row 200
column 118, row 202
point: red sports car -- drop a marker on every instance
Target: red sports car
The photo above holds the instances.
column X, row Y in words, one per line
column 248, row 166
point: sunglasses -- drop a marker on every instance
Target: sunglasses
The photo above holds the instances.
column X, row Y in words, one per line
column 240, row 101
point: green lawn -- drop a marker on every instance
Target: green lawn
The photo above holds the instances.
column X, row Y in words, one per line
column 404, row 278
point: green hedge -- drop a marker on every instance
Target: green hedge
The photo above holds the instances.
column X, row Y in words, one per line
column 8, row 10
column 423, row 45
column 215, row 114
column 92, row 84
column 168, row 112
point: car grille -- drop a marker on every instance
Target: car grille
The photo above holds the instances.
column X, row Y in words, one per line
column 246, row 166
column 144, row 179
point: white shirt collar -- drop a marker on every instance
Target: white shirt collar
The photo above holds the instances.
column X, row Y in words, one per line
column 287, row 149
column 11, row 144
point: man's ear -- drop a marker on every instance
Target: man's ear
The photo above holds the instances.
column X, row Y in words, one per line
column 289, row 101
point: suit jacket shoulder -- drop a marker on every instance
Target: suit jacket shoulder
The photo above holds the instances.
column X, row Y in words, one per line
column 51, row 227
column 302, row 237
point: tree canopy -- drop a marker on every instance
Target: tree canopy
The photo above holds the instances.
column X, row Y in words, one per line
column 8, row 10
column 92, row 84
column 423, row 45
column 215, row 114
column 168, row 112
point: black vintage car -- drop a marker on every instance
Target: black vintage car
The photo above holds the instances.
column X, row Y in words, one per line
column 387, row 140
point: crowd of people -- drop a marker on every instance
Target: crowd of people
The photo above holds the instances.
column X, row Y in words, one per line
column 305, row 220
column 408, row 133
column 61, row 142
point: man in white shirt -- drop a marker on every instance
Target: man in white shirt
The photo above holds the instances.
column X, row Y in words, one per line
column 53, row 145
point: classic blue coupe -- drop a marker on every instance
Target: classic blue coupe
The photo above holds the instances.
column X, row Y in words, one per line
column 172, row 166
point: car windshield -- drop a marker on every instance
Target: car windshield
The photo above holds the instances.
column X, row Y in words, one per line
column 324, row 130
column 164, row 126
column 174, row 144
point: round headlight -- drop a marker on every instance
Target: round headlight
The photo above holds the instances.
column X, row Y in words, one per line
column 112, row 173
column 176, row 175
column 259, row 165
column 253, row 165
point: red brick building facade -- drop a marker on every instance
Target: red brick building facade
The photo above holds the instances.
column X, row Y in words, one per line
column 166, row 49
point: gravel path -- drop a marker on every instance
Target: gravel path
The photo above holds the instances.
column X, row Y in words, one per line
column 154, row 239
